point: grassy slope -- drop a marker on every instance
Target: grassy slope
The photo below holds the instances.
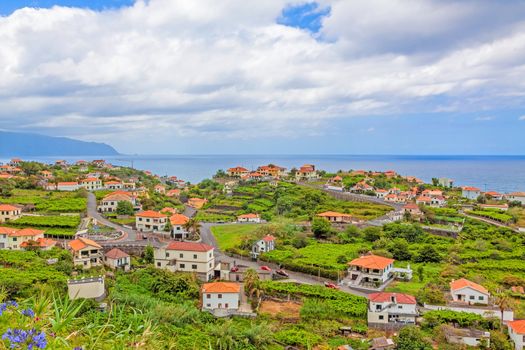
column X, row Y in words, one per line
column 229, row 236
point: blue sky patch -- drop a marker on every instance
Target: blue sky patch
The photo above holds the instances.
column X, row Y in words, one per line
column 9, row 6
column 306, row 16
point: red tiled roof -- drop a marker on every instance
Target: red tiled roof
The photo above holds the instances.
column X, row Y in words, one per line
column 372, row 262
column 7, row 230
column 248, row 216
column 41, row 242
column 238, row 169
column 116, row 253
column 386, row 297
column 411, row 206
column 67, row 183
column 465, row 283
column 90, row 179
column 268, row 238
column 517, row 194
column 469, row 188
column 82, row 243
column 189, row 246
column 26, row 232
column 333, row 214
column 221, row 287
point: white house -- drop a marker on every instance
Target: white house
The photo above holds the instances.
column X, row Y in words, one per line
column 466, row 291
column 9, row 212
column 446, row 182
column 109, row 203
column 516, row 196
column 221, row 295
column 17, row 239
column 266, row 244
column 187, row 257
column 67, row 186
column 92, row 184
column 178, row 229
column 150, row 221
column 391, row 308
column 469, row 337
column 517, row 333
column 381, row 193
column 117, row 259
column 253, row 218
column 369, row 270
column 113, row 185
column 470, row 192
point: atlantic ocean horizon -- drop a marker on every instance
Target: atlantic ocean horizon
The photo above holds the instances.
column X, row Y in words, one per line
column 498, row 173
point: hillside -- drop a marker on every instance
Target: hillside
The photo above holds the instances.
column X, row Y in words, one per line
column 24, row 145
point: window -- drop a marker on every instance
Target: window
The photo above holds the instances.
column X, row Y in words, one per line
column 378, row 307
column 167, row 255
column 219, row 296
column 194, row 256
column 381, row 317
column 182, row 266
column 471, row 297
column 194, row 267
column 208, row 305
column 226, row 305
column 481, row 298
column 400, row 306
column 208, row 296
column 181, row 255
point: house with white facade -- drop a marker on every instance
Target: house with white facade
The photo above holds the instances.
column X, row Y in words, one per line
column 252, row 218
column 471, row 193
column 160, row 189
column 445, row 182
column 396, row 309
column 9, row 212
column 109, row 203
column 117, row 259
column 18, row 239
column 221, row 295
column 381, row 193
column 517, row 333
column 67, row 186
column 265, row 244
column 191, row 257
column 92, row 184
column 336, row 217
column 113, row 185
column 516, row 196
column 150, row 221
column 178, row 226
column 463, row 290
column 370, row 271
column 86, row 252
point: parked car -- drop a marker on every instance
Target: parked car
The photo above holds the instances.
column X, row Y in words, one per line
column 282, row 273
column 265, row 268
column 331, row 285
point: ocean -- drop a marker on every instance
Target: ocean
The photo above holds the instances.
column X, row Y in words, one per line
column 497, row 173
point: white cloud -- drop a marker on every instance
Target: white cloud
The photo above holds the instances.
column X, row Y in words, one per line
column 485, row 118
column 522, row 117
column 220, row 69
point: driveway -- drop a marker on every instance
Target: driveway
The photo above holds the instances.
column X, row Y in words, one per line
column 131, row 235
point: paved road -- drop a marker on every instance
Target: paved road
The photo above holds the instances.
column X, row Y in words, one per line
column 208, row 238
column 92, row 212
column 488, row 221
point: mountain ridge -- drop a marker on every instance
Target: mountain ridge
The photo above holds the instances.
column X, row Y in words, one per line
column 16, row 144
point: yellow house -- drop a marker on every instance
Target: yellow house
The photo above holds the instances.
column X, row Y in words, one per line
column 86, row 252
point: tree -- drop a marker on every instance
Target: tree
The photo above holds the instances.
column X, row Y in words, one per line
column 6, row 188
column 411, row 338
column 399, row 249
column 125, row 208
column 149, row 254
column 435, row 181
column 252, row 286
column 420, row 273
column 193, row 226
column 321, row 227
column 481, row 199
column 372, row 233
column 428, row 254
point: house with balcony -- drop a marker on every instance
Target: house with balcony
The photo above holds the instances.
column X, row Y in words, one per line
column 109, row 203
column 517, row 333
column 307, row 173
column 369, row 271
column 113, row 185
column 190, row 257
column 272, row 171
column 9, row 212
column 18, row 239
column 391, row 309
column 86, row 252
column 116, row 259
column 178, row 226
column 237, row 171
column 150, row 221
column 92, row 184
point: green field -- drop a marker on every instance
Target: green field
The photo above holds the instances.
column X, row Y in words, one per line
column 46, row 201
column 230, row 236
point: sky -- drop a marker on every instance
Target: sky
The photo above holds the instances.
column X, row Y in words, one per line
column 273, row 76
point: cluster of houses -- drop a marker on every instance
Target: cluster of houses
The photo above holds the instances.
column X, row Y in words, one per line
column 392, row 311
column 306, row 172
column 473, row 193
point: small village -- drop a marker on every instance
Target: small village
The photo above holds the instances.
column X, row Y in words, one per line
column 356, row 259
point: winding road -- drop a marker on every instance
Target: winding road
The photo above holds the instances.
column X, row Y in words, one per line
column 131, row 235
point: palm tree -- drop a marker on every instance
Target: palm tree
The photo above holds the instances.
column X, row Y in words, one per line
column 193, row 226
column 252, row 285
column 503, row 302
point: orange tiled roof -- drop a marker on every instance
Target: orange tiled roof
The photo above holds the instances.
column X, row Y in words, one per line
column 268, row 238
column 372, row 262
column 8, row 207
column 333, row 214
column 469, row 188
column 248, row 216
column 7, row 230
column 90, row 179
column 41, row 242
column 179, row 219
column 383, row 297
column 26, row 232
column 518, row 326
column 82, row 243
column 238, row 169
column 116, row 253
column 465, row 283
column 221, row 287
column 151, row 214
column 67, row 183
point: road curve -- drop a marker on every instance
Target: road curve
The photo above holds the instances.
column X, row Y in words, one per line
column 93, row 213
